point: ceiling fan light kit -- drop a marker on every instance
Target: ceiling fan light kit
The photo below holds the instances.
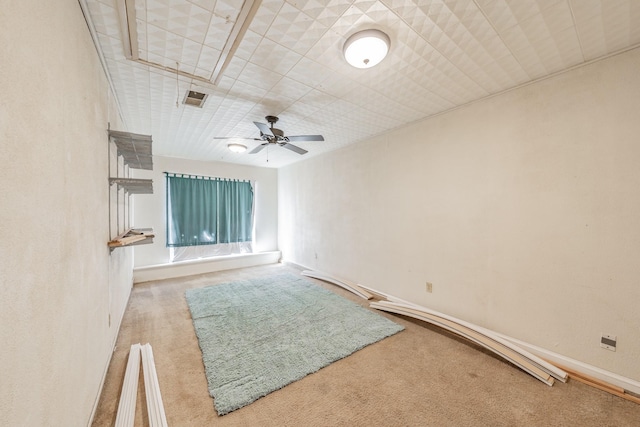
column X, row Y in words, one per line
column 237, row 148
column 367, row 48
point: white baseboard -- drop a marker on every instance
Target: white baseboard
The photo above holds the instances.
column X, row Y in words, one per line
column 609, row 377
column 106, row 368
column 204, row 265
column 294, row 265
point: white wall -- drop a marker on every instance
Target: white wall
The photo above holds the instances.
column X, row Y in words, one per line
column 150, row 210
column 58, row 283
column 522, row 210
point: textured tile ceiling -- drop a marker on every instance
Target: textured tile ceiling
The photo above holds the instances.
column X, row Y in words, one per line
column 444, row 53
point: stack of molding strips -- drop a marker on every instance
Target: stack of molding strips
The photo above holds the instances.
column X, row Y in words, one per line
column 528, row 362
column 127, row 406
column 350, row 286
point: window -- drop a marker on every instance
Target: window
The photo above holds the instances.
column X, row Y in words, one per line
column 204, row 211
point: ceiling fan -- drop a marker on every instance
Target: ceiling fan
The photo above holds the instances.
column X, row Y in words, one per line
column 271, row 135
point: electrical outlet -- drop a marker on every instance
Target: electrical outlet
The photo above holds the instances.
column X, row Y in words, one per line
column 429, row 288
column 608, row 341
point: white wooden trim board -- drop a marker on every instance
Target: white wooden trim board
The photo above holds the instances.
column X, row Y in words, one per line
column 155, row 407
column 127, row 405
column 505, row 352
column 345, row 284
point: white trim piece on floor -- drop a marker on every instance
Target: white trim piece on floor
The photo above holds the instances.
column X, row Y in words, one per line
column 487, row 342
column 345, row 284
column 203, row 265
column 127, row 404
column 386, row 296
column 552, row 370
column 627, row 384
column 155, row 408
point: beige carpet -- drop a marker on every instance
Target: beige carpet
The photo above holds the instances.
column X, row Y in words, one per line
column 419, row 377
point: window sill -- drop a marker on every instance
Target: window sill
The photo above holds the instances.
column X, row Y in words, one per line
column 203, row 265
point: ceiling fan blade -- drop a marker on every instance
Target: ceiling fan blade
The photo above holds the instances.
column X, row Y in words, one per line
column 258, row 148
column 264, row 128
column 294, row 148
column 306, row 138
column 235, row 137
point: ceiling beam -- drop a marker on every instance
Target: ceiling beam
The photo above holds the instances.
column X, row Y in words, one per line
column 248, row 11
column 128, row 29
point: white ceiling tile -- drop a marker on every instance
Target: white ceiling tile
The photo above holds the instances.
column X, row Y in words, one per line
column 337, row 85
column 225, row 83
column 218, row 32
column 106, row 22
column 513, row 69
column 291, row 88
column 228, row 9
column 329, row 44
column 275, row 57
column 326, row 12
column 344, row 24
column 247, row 92
column 309, row 72
column 498, row 14
column 111, row 46
column 275, row 101
column 248, row 45
column 234, row 68
column 568, row 47
column 607, row 26
column 363, row 5
column 585, row 9
column 265, row 15
column 205, row 4
column 294, row 29
column 207, row 58
column 179, row 17
column 259, row 76
column 523, row 10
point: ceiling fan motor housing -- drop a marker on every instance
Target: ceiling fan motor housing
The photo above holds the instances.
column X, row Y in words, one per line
column 279, row 134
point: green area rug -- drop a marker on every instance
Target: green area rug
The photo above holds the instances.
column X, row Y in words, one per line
column 259, row 335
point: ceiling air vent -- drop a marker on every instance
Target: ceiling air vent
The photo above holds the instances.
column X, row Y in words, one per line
column 195, row 98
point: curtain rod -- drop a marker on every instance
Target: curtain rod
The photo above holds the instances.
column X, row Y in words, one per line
column 191, row 176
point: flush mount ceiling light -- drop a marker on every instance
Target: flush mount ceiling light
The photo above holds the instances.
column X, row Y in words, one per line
column 237, row 148
column 367, row 48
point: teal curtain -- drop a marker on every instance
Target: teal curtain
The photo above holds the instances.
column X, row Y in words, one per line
column 208, row 211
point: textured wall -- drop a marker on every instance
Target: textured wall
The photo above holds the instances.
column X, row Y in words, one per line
column 59, row 286
column 149, row 210
column 522, row 210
